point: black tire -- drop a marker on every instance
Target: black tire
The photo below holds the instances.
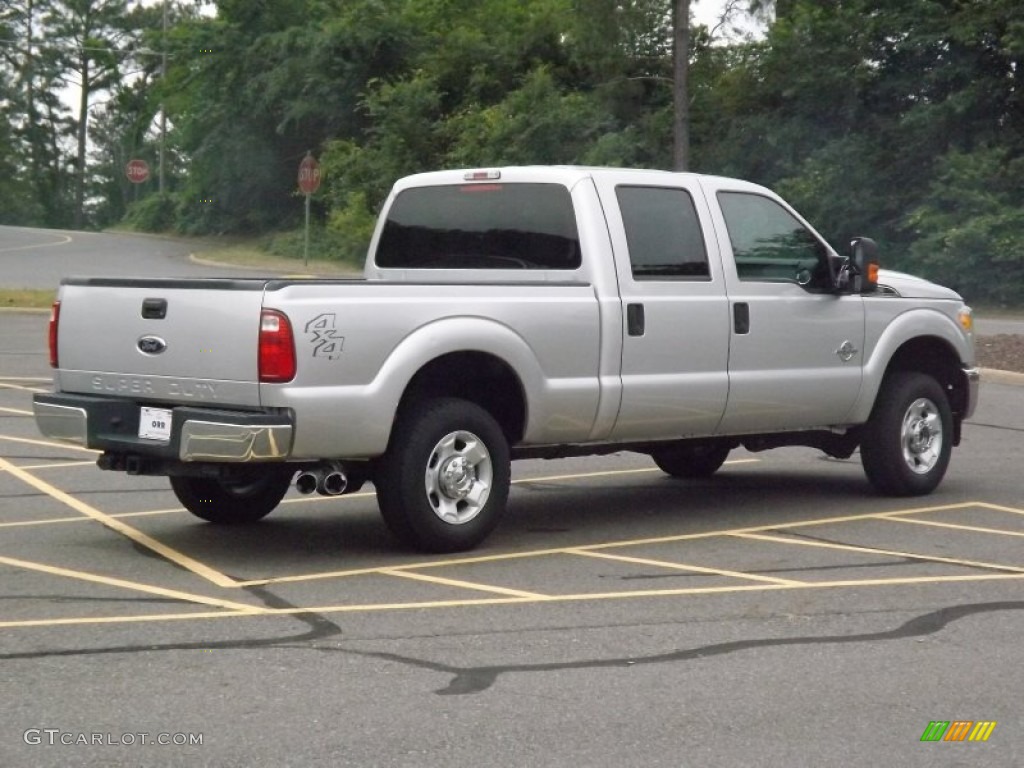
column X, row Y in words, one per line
column 907, row 442
column 250, row 494
column 442, row 454
column 691, row 460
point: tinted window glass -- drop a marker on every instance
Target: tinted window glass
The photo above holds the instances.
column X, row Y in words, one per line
column 481, row 226
column 663, row 234
column 769, row 243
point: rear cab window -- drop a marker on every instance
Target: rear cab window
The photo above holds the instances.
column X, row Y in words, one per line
column 526, row 226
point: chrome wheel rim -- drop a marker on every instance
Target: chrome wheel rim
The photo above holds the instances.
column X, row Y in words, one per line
column 458, row 477
column 921, row 436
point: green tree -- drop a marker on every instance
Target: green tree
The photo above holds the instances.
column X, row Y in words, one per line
column 37, row 120
column 89, row 36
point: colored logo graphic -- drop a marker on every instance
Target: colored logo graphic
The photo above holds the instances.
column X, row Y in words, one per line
column 958, row 730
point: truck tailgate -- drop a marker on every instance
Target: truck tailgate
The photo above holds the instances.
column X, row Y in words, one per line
column 161, row 340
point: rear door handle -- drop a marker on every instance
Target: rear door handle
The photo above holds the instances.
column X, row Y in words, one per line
column 741, row 317
column 635, row 321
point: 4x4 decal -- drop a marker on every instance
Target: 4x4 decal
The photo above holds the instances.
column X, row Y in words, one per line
column 324, row 336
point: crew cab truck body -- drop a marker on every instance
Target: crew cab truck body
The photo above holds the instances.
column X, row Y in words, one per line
column 509, row 313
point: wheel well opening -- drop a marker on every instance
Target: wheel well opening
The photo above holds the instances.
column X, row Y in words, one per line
column 478, row 377
column 936, row 358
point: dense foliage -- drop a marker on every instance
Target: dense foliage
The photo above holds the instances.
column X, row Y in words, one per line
column 900, row 119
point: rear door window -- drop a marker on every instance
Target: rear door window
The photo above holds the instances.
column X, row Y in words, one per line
column 481, row 226
column 663, row 234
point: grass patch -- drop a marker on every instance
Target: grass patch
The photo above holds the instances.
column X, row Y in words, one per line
column 24, row 298
column 252, row 253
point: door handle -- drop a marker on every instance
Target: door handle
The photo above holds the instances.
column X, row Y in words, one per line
column 635, row 322
column 741, row 317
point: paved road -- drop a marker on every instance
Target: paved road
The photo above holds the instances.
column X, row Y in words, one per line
column 986, row 326
column 39, row 258
column 778, row 614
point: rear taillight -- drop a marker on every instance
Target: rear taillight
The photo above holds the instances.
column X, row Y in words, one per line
column 54, row 322
column 277, row 348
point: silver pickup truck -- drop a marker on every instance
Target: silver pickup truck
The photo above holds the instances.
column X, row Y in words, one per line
column 513, row 313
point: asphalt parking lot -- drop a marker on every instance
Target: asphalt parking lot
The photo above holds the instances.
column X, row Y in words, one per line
column 778, row 614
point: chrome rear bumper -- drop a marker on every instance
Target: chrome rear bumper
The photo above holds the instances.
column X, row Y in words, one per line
column 107, row 424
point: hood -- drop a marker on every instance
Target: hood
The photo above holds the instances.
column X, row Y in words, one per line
column 911, row 287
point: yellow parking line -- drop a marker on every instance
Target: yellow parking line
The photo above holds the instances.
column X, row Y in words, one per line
column 58, row 465
column 95, row 578
column 79, row 519
column 1000, row 508
column 609, row 473
column 138, row 537
column 876, row 551
column 496, row 601
column 16, row 411
column 593, row 547
column 459, row 583
column 21, row 387
column 47, row 444
column 123, row 619
column 417, row 566
column 953, row 526
column 683, row 567
column 64, row 240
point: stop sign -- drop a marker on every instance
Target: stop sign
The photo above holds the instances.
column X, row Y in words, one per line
column 137, row 171
column 309, row 175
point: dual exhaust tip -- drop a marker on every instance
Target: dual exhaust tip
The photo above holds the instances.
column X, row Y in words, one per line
column 327, row 480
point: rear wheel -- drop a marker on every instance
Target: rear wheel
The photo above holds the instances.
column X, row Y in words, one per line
column 244, row 495
column 691, row 460
column 443, row 482
column 907, row 441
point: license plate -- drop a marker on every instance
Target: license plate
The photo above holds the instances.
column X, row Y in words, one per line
column 155, row 424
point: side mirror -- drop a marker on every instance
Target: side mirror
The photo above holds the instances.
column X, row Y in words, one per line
column 859, row 272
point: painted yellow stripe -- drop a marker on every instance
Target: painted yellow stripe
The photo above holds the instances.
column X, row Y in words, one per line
column 595, row 547
column 775, row 526
column 64, row 240
column 16, row 411
column 410, row 566
column 47, row 444
column 952, row 526
column 876, row 551
column 21, row 387
column 496, row 601
column 138, row 537
column 609, row 473
column 459, row 583
column 57, row 465
column 136, row 586
column 79, row 519
column 1000, row 508
column 682, row 567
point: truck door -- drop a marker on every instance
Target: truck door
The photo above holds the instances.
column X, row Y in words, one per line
column 674, row 309
column 795, row 358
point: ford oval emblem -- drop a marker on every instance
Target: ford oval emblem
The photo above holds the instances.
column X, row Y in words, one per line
column 151, row 345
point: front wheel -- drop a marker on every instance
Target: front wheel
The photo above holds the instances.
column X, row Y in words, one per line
column 443, row 482
column 907, row 441
column 245, row 495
